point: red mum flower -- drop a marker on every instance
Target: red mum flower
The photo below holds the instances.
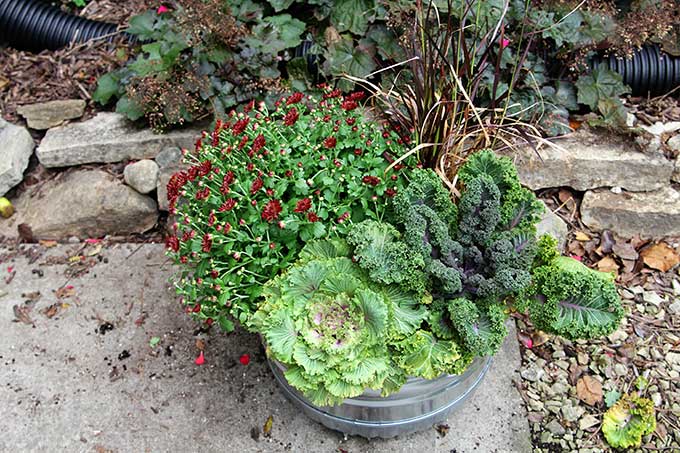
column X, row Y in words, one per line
column 175, row 185
column 249, row 106
column 172, row 243
column 271, row 210
column 204, row 168
column 372, row 180
column 312, row 217
column 211, row 218
column 258, row 143
column 206, row 243
column 192, row 173
column 291, row 117
column 343, row 217
column 227, row 205
column 333, row 94
column 240, row 126
column 256, row 185
column 294, row 98
column 303, row 205
column 203, row 194
column 390, row 192
column 349, row 105
column 330, row 142
column 350, row 121
column 227, row 228
column 357, row 95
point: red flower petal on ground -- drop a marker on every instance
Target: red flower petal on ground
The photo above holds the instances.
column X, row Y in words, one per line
column 256, row 185
column 162, row 9
column 200, row 360
column 271, row 210
column 330, row 142
column 244, row 359
column 303, row 205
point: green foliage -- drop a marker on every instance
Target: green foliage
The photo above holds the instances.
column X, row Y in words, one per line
column 266, row 182
column 571, row 300
column 481, row 327
column 628, row 420
column 600, row 90
column 338, row 333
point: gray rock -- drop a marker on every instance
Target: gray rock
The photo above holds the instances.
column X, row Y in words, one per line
column 675, row 177
column 587, row 161
column 555, row 427
column 45, row 115
column 659, row 128
column 553, row 225
column 170, row 156
column 674, row 142
column 142, row 176
column 674, row 308
column 588, row 421
column 108, row 137
column 652, row 215
column 83, row 204
column 532, row 374
column 16, row 147
column 572, row 413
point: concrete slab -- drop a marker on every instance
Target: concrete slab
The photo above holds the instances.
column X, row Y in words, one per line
column 67, row 383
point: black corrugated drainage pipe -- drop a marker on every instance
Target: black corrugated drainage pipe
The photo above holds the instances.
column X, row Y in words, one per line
column 649, row 72
column 35, row 25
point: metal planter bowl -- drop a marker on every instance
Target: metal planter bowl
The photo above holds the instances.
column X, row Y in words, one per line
column 418, row 405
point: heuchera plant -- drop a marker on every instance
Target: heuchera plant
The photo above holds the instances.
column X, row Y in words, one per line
column 263, row 184
column 427, row 290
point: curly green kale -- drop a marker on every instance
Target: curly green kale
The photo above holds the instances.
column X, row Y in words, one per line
column 628, row 420
column 569, row 299
column 379, row 250
column 332, row 328
column 480, row 326
column 479, row 210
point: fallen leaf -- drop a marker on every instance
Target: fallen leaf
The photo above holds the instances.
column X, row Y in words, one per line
column 21, row 314
column 526, row 340
column 50, row 311
column 153, row 342
column 625, row 251
column 3, row 82
column 6, row 208
column 589, row 390
column 48, row 244
column 267, row 428
column 75, row 259
column 660, row 256
column 442, row 429
column 607, row 264
column 640, row 330
column 200, row 344
column 539, row 338
column 575, row 125
column 95, row 250
column 25, row 232
column 581, row 236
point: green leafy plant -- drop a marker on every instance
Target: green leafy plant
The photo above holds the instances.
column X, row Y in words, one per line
column 263, row 184
column 628, row 420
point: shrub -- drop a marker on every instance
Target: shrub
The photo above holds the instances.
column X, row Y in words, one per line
column 263, row 184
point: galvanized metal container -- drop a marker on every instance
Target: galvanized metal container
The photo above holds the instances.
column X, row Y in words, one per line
column 418, row 405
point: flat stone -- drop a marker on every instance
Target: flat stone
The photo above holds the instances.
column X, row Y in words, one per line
column 674, row 308
column 572, row 413
column 45, row 115
column 651, row 297
column 555, row 427
column 84, row 204
column 142, row 176
column 108, row 137
column 588, row 161
column 170, row 156
column 16, row 147
column 659, row 128
column 675, row 177
column 651, row 215
column 553, row 225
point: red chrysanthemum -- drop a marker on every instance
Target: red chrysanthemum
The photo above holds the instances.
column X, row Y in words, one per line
column 390, row 192
column 240, row 126
column 349, row 105
column 271, row 210
column 249, row 106
column 258, row 144
column 172, row 243
column 303, row 205
column 330, row 142
column 206, row 243
column 357, row 95
column 203, row 193
column 204, row 168
column 312, row 217
column 256, row 185
column 227, row 205
column 371, row 180
column 192, row 173
column 291, row 117
column 211, row 218
column 343, row 217
column 294, row 98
